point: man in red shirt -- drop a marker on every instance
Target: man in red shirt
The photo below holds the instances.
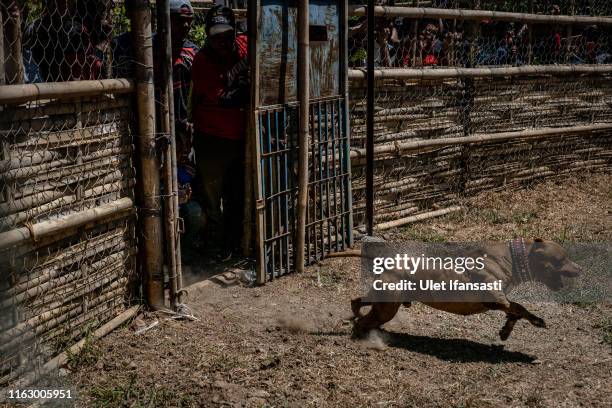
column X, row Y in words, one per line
column 220, row 93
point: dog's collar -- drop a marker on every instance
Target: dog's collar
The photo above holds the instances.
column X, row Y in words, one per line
column 520, row 262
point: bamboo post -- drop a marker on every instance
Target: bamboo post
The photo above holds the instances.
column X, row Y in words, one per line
column 164, row 84
column 304, row 99
column 150, row 207
column 488, row 72
column 15, row 73
column 370, row 122
column 478, row 15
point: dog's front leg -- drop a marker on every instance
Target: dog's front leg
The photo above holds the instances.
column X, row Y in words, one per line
column 519, row 310
column 514, row 312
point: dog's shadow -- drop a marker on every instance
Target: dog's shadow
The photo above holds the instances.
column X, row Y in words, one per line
column 456, row 350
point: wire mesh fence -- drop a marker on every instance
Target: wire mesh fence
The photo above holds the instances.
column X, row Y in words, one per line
column 67, row 212
column 441, row 136
column 66, row 222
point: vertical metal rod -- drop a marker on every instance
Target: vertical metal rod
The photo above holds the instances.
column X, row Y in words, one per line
column 344, row 126
column 261, row 210
column 164, row 82
column 321, row 180
column 343, row 186
column 254, row 147
column 149, row 165
column 370, row 124
column 304, row 99
column 286, row 189
column 334, row 171
column 316, row 159
column 279, row 206
column 327, row 180
column 269, row 199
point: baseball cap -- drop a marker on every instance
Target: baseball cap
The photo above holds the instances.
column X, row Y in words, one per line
column 220, row 19
column 182, row 7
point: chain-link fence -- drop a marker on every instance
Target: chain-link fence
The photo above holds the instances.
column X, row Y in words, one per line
column 471, row 105
column 67, row 177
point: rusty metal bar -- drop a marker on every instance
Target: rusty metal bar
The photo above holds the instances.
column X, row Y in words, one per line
column 370, row 120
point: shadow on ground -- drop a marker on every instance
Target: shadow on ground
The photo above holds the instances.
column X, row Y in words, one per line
column 456, row 350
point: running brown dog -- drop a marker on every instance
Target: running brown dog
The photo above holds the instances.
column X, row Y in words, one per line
column 520, row 261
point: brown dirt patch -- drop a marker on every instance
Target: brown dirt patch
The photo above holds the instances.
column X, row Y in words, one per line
column 288, row 343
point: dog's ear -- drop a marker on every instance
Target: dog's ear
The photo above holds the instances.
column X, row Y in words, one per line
column 538, row 240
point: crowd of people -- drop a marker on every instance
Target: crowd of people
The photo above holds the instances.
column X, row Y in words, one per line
column 404, row 42
column 72, row 40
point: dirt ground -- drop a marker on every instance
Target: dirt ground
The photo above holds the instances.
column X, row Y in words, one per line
column 288, row 343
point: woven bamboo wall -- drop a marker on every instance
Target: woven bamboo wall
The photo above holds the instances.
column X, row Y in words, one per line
column 67, row 184
column 410, row 183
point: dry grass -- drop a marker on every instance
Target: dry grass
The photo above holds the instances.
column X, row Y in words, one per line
column 288, row 343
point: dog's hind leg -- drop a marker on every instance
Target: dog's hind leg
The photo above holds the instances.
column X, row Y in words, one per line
column 356, row 305
column 505, row 331
column 380, row 314
column 519, row 310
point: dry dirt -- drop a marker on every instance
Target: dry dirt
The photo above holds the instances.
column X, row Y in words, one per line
column 288, row 343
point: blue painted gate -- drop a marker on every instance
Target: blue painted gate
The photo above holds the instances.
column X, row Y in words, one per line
column 273, row 23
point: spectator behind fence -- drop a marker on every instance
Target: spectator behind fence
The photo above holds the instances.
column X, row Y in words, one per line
column 68, row 41
column 183, row 54
column 220, row 93
column 46, row 40
column 89, row 36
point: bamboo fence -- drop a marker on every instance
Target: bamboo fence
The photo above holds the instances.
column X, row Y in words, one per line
column 67, row 216
column 437, row 142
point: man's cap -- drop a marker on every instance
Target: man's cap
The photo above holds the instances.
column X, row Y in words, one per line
column 220, row 19
column 182, row 7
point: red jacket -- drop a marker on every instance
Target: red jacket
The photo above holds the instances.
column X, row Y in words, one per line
column 218, row 98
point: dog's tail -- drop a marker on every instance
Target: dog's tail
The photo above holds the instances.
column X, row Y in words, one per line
column 351, row 253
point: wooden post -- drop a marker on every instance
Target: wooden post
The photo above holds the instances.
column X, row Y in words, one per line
column 304, row 99
column 15, row 73
column 164, row 83
column 150, row 207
